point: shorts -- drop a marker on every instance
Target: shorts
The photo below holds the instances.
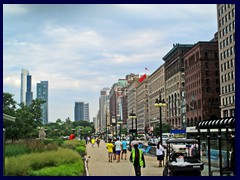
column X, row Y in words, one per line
column 160, row 157
column 118, row 152
column 110, row 153
column 124, row 151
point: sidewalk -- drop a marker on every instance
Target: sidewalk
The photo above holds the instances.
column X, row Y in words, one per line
column 98, row 164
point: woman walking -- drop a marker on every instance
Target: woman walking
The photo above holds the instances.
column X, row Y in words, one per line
column 160, row 154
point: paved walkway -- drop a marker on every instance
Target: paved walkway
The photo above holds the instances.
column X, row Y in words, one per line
column 98, row 164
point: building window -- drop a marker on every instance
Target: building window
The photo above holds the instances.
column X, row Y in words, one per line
column 232, row 112
column 233, row 87
column 225, row 113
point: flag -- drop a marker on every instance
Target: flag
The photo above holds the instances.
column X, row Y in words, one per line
column 142, row 78
column 146, row 69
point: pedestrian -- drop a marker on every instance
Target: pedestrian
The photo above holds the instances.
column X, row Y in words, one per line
column 72, row 136
column 194, row 150
column 160, row 154
column 114, row 149
column 93, row 141
column 118, row 149
column 98, row 141
column 110, row 147
column 124, row 148
column 137, row 158
column 133, row 142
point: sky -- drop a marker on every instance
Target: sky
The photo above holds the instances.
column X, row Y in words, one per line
column 82, row 48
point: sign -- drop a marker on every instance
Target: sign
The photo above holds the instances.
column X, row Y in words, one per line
column 178, row 131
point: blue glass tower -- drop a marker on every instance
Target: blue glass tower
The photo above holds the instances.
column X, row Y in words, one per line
column 42, row 93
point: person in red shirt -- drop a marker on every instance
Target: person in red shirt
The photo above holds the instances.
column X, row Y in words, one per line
column 71, row 137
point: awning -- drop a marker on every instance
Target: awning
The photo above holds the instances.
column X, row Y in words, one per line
column 228, row 122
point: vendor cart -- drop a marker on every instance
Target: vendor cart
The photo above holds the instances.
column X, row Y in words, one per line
column 179, row 160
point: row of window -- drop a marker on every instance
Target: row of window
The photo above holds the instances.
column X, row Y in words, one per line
column 228, row 100
column 227, row 53
column 227, row 65
column 224, row 8
column 227, row 17
column 228, row 88
column 227, row 41
column 228, row 76
column 231, row 113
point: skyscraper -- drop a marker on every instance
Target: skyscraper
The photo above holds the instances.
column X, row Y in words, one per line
column 23, row 86
column 226, row 49
column 29, row 94
column 81, row 111
column 42, row 93
column 104, row 95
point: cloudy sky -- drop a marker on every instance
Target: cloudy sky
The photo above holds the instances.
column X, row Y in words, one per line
column 80, row 48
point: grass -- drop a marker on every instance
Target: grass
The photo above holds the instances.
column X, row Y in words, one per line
column 23, row 165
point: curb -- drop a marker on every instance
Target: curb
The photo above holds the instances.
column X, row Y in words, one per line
column 86, row 165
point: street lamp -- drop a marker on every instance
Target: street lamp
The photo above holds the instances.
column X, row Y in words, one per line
column 160, row 103
column 133, row 115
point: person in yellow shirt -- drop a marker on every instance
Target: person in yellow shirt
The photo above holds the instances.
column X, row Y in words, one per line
column 93, row 141
column 110, row 147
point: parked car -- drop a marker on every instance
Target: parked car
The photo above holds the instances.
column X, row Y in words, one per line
column 153, row 141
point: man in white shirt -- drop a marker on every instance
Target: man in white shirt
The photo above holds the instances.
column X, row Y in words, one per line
column 118, row 148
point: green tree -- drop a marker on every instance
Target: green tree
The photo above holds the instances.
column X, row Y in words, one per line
column 165, row 129
column 9, row 104
column 28, row 118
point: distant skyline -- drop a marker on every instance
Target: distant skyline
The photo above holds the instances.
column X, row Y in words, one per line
column 82, row 48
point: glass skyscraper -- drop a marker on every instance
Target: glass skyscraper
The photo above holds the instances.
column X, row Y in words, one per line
column 23, row 86
column 81, row 111
column 42, row 93
column 29, row 94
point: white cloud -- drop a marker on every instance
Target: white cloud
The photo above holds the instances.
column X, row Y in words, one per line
column 14, row 9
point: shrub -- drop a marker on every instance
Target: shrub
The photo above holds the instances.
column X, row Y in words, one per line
column 71, row 144
column 81, row 150
column 15, row 149
column 72, row 169
column 24, row 164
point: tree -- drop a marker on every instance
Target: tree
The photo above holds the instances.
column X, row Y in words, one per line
column 165, row 129
column 28, row 118
column 9, row 104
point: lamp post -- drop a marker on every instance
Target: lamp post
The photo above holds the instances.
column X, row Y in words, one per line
column 133, row 115
column 160, row 103
column 107, row 130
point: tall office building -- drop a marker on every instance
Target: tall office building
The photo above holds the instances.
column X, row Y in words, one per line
column 226, row 49
column 42, row 93
column 81, row 111
column 29, row 94
column 104, row 95
column 86, row 112
column 23, row 89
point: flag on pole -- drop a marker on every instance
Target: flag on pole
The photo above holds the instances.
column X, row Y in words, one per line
column 142, row 78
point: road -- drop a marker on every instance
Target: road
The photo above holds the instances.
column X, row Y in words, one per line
column 98, row 164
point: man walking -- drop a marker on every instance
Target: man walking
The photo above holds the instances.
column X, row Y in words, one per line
column 124, row 148
column 118, row 148
column 137, row 158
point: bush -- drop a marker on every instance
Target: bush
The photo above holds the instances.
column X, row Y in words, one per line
column 15, row 149
column 71, row 144
column 72, row 169
column 25, row 164
column 81, row 150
